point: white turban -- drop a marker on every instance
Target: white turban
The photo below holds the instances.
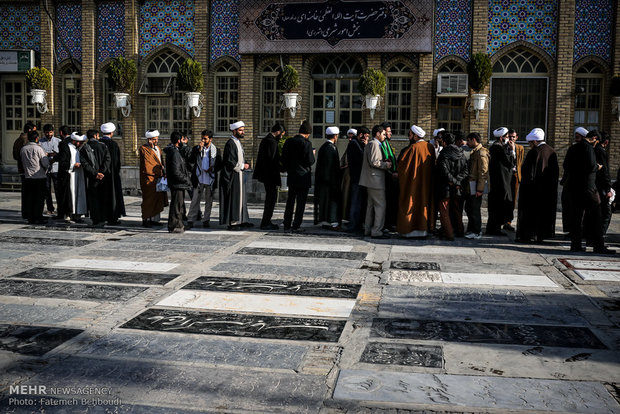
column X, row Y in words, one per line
column 151, row 134
column 418, row 131
column 108, row 128
column 536, row 134
column 500, row 132
column 581, row 131
column 352, row 131
column 76, row 137
column 236, row 125
column 332, row 131
column 437, row 131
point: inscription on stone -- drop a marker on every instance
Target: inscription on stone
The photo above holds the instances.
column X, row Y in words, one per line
column 244, row 325
column 96, row 276
column 403, row 354
column 45, row 241
column 33, row 340
column 415, row 265
column 487, row 333
column 275, row 287
column 322, row 254
column 71, row 291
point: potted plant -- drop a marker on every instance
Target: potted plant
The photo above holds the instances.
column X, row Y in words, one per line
column 479, row 71
column 371, row 86
column 122, row 75
column 39, row 79
column 288, row 79
column 190, row 79
column 614, row 91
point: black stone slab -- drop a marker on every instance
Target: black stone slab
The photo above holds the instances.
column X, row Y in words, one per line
column 486, row 333
column 72, row 228
column 71, row 291
column 205, row 248
column 403, row 354
column 323, row 254
column 274, row 287
column 96, row 276
column 45, row 241
column 33, row 340
column 415, row 265
column 244, row 325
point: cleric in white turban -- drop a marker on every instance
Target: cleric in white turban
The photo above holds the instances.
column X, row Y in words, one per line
column 501, row 168
column 108, row 128
column 417, row 131
column 538, row 193
column 580, row 133
column 352, row 131
column 112, row 186
column 500, row 132
column 151, row 133
column 327, row 182
column 233, row 199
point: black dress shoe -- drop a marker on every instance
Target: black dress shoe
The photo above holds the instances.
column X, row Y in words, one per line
column 577, row 249
column 146, row 223
column 246, row 225
column 269, row 227
column 234, row 228
column 604, row 250
column 206, row 224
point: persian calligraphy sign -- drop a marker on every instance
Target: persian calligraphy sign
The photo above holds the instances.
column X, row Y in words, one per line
column 335, row 26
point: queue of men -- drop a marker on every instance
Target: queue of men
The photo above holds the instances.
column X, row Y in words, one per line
column 367, row 190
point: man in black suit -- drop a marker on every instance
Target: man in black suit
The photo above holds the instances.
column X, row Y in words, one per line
column 267, row 171
column 297, row 158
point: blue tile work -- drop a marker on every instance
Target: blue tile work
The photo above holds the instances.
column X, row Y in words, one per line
column 110, row 30
column 593, row 29
column 453, row 28
column 69, row 31
column 20, row 27
column 166, row 22
column 225, row 29
column 533, row 21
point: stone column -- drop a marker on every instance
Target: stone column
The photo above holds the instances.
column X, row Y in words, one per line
column 614, row 123
column 374, row 62
column 89, row 59
column 425, row 92
column 246, row 106
column 562, row 99
column 480, row 31
column 47, row 61
column 131, row 135
column 201, row 54
column 304, row 90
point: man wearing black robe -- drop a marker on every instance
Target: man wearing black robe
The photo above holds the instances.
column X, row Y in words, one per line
column 500, row 207
column 112, row 186
column 603, row 177
column 580, row 169
column 538, row 191
column 63, row 204
column 267, row 171
column 297, row 159
column 580, row 133
column 94, row 184
column 233, row 200
column 327, row 180
column 355, row 157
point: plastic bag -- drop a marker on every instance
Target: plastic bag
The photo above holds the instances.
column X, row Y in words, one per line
column 162, row 185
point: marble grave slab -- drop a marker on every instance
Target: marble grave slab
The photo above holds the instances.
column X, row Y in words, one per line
column 37, row 314
column 591, row 264
column 502, row 394
column 72, row 228
column 303, row 253
column 201, row 349
column 71, row 291
column 301, row 246
column 260, row 303
column 102, row 276
column 485, row 333
column 243, row 325
column 274, row 287
column 454, row 294
column 599, row 275
column 433, row 250
column 33, row 340
column 403, row 354
column 12, row 254
column 498, row 279
column 153, row 266
column 261, row 269
column 44, row 241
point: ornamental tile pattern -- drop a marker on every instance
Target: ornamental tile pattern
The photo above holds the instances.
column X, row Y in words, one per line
column 593, row 29
column 110, row 30
column 225, row 29
column 533, row 21
column 20, row 27
column 166, row 22
column 69, row 31
column 453, row 28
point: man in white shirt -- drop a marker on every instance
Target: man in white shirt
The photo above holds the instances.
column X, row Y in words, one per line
column 49, row 143
column 204, row 177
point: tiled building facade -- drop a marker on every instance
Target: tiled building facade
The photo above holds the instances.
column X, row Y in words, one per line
column 552, row 63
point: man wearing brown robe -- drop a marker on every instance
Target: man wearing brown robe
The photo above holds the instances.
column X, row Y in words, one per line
column 151, row 169
column 415, row 201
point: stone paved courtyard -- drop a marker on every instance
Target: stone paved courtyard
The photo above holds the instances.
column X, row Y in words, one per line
column 131, row 320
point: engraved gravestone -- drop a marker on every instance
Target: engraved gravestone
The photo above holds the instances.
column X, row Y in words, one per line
column 403, row 354
column 33, row 340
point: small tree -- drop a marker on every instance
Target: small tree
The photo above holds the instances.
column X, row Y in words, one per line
column 614, row 86
column 189, row 77
column 372, row 82
column 288, row 78
column 39, row 78
column 122, row 74
column 479, row 70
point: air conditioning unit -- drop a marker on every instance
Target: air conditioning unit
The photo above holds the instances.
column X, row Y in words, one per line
column 452, row 84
